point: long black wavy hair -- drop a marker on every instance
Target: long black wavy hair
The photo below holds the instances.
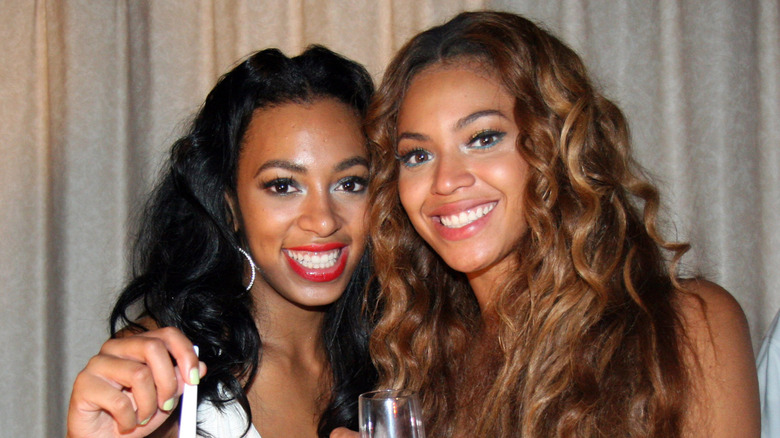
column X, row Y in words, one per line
column 187, row 272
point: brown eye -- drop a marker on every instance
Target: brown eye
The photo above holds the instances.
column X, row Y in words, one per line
column 352, row 184
column 281, row 186
column 415, row 157
column 486, row 139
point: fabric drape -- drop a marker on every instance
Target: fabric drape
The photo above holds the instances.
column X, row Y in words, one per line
column 92, row 93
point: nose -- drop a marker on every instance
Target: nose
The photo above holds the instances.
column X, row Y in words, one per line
column 318, row 215
column 450, row 175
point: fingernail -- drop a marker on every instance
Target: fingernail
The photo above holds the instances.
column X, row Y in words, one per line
column 194, row 376
column 143, row 423
column 168, row 405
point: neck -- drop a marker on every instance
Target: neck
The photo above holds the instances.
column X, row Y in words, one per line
column 290, row 333
column 484, row 283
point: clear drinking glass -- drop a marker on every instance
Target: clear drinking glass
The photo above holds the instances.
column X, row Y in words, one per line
column 390, row 414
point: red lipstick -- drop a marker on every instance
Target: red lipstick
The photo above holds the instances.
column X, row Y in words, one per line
column 319, row 275
column 318, row 247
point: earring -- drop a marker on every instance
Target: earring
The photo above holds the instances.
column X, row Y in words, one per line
column 252, row 264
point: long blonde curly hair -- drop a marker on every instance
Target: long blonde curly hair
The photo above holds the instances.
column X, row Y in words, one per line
column 588, row 340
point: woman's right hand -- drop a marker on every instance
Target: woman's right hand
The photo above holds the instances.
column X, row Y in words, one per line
column 131, row 386
column 343, row 432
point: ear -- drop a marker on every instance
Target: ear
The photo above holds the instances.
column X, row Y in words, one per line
column 233, row 213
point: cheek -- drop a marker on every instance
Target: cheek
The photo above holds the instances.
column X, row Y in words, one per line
column 359, row 223
column 261, row 229
column 509, row 175
column 265, row 220
column 412, row 194
column 409, row 192
column 353, row 213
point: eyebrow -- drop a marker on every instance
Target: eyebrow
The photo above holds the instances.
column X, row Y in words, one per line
column 281, row 164
column 351, row 162
column 413, row 136
column 472, row 117
column 297, row 168
column 458, row 125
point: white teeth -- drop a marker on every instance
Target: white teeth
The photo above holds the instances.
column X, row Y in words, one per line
column 315, row 260
column 466, row 217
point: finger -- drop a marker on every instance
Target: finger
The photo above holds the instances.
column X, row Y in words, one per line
column 175, row 344
column 203, row 368
column 135, row 380
column 153, row 352
column 92, row 394
column 182, row 351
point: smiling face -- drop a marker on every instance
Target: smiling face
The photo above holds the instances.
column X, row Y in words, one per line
column 461, row 177
column 301, row 198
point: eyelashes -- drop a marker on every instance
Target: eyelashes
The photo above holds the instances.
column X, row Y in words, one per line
column 481, row 140
column 486, row 139
column 352, row 184
column 283, row 186
column 414, row 158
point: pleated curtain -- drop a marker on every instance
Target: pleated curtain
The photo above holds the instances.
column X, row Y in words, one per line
column 93, row 92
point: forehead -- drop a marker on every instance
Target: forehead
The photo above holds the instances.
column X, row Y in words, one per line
column 318, row 129
column 453, row 88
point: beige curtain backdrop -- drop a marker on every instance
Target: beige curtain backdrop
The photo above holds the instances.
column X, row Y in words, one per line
column 93, row 92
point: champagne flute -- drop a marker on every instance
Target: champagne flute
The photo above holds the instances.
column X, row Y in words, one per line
column 390, row 414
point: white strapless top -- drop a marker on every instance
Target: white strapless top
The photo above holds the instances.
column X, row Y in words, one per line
column 230, row 422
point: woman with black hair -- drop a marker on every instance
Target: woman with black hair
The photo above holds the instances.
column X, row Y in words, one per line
column 252, row 247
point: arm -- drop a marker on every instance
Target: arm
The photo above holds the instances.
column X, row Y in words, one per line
column 725, row 400
column 131, row 386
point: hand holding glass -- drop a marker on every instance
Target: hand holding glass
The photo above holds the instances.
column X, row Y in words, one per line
column 390, row 414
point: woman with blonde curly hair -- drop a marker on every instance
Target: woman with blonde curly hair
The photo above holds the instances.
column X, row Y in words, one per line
column 526, row 289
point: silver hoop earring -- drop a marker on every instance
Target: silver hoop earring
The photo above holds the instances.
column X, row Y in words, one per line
column 252, row 264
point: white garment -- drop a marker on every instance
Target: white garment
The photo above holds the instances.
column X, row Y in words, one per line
column 769, row 381
column 230, row 422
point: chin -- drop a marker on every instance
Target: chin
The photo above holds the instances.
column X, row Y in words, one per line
column 461, row 262
column 317, row 297
column 465, row 268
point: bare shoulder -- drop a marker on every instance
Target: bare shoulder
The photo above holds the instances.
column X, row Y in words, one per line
column 720, row 349
column 708, row 310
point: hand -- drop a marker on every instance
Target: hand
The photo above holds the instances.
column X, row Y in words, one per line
column 343, row 432
column 131, row 386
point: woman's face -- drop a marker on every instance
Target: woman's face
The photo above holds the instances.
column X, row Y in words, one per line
column 461, row 177
column 301, row 192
